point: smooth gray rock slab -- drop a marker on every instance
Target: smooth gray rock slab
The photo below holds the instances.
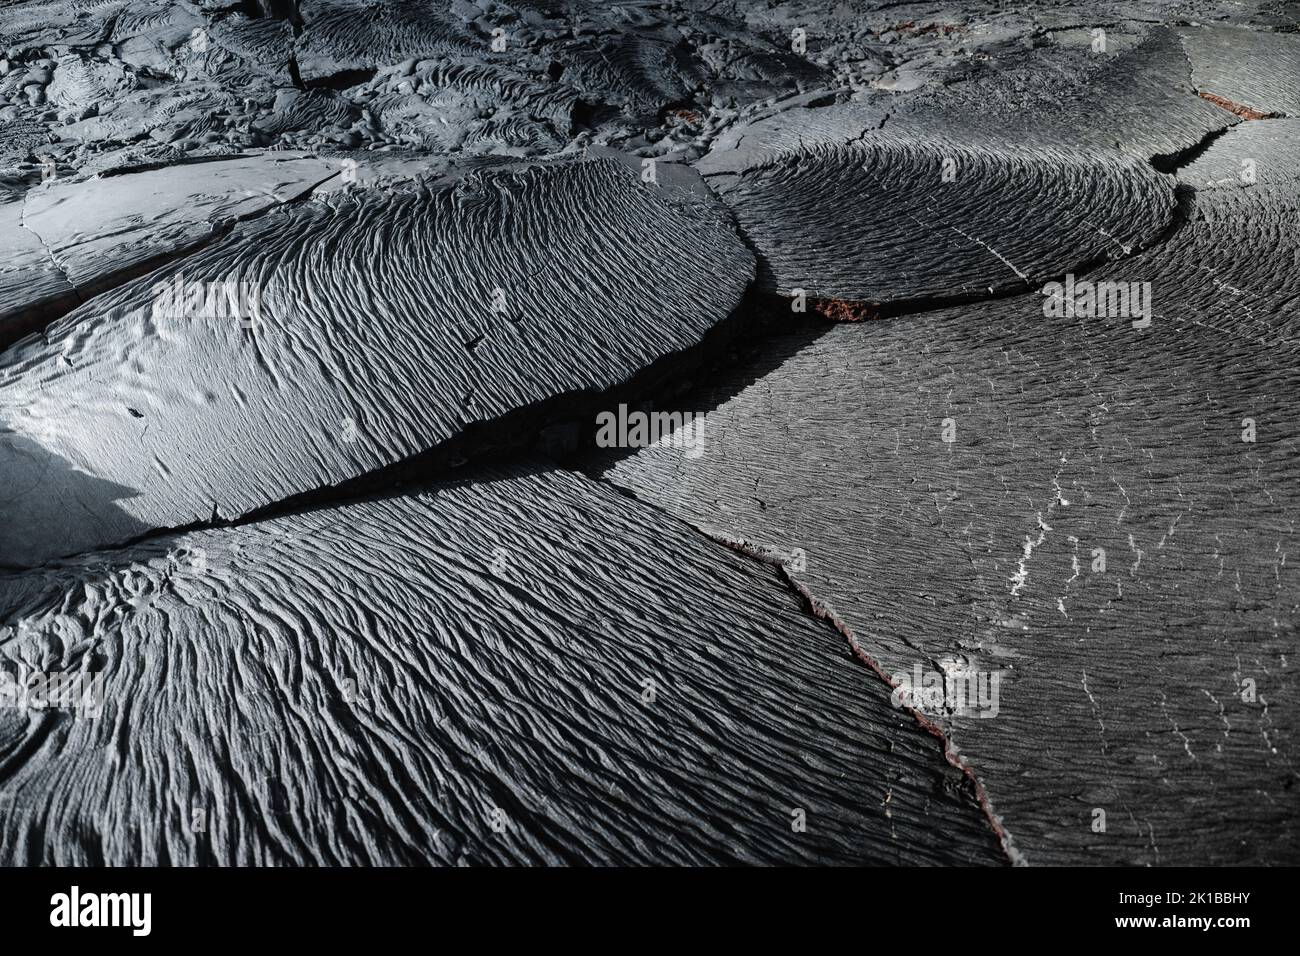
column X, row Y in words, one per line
column 1135, row 100
column 914, row 210
column 524, row 668
column 387, row 321
column 997, row 183
column 1100, row 514
column 94, row 231
column 1120, row 691
column 31, row 283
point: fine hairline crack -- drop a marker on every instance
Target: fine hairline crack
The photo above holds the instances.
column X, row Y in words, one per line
column 102, row 284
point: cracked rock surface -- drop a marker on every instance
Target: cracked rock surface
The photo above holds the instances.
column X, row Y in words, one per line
column 94, row 232
column 569, row 432
column 203, row 414
column 1081, row 530
column 462, row 712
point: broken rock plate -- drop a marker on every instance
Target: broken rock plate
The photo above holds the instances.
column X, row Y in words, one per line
column 347, row 334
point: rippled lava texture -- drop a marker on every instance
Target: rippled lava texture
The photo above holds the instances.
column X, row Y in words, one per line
column 662, row 433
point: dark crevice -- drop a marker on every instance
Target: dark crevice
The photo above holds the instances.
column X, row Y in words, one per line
column 286, row 10
column 1184, row 212
column 837, row 310
column 587, row 116
column 1172, row 162
column 552, row 428
column 343, row 80
column 170, row 164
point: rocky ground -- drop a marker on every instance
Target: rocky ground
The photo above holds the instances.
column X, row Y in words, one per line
column 658, row 432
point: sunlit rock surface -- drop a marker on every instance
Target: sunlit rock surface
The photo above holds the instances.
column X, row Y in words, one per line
column 92, row 233
column 348, row 334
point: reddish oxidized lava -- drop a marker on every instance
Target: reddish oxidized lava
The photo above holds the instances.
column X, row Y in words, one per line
column 1245, row 112
column 844, row 310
